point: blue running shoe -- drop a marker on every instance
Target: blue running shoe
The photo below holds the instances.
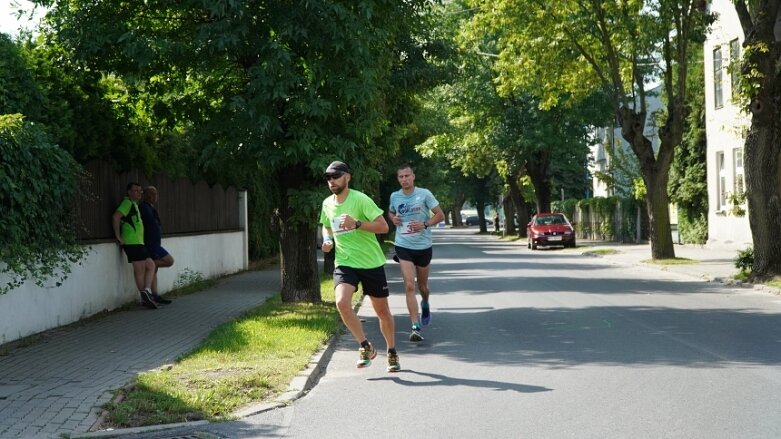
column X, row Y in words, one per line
column 425, row 314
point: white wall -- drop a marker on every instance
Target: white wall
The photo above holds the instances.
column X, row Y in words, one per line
column 725, row 130
column 104, row 280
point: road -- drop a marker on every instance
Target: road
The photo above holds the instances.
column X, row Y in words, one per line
column 550, row 344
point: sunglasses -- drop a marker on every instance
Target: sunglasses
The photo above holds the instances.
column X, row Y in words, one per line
column 334, row 176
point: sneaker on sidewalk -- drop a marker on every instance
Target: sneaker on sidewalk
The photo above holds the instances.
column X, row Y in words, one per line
column 425, row 313
column 415, row 335
column 393, row 362
column 146, row 299
column 160, row 299
column 366, row 356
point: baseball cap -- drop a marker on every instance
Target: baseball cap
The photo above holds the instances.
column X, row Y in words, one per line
column 336, row 167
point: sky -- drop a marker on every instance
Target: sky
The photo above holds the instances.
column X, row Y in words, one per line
column 8, row 23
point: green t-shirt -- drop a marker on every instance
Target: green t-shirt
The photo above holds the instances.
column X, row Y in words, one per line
column 130, row 226
column 354, row 248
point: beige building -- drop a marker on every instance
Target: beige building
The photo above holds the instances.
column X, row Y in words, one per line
column 726, row 128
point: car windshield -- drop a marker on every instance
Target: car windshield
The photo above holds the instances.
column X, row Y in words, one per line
column 550, row 220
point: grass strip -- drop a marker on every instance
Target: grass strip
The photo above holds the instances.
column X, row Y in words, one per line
column 251, row 359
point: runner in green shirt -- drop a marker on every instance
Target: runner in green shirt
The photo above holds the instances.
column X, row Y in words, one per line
column 350, row 220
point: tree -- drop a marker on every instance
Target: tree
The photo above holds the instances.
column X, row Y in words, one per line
column 273, row 91
column 572, row 48
column 761, row 84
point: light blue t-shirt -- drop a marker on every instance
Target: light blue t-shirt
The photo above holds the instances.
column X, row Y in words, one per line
column 415, row 206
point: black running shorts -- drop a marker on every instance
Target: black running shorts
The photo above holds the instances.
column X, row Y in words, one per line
column 372, row 280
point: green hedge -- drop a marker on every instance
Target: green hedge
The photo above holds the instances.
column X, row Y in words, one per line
column 38, row 184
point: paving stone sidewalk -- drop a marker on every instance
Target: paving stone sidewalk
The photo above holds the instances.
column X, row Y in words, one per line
column 56, row 386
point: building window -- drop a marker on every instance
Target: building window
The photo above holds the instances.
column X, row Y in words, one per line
column 734, row 65
column 740, row 181
column 721, row 186
column 718, row 99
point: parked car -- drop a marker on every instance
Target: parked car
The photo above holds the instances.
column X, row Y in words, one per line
column 550, row 229
column 474, row 220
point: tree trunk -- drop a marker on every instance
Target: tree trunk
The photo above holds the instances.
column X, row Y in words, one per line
column 762, row 152
column 519, row 204
column 298, row 243
column 656, row 170
column 509, row 217
column 537, row 168
column 480, row 205
column 458, row 204
column 329, row 261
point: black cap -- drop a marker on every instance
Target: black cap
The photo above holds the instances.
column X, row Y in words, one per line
column 337, row 166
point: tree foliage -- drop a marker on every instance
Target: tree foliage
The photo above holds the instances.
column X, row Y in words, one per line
column 267, row 93
column 688, row 185
column 568, row 49
column 38, row 183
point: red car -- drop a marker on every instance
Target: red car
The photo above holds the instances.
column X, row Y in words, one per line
column 550, row 229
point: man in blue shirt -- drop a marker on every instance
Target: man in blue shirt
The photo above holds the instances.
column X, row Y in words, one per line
column 411, row 211
column 153, row 238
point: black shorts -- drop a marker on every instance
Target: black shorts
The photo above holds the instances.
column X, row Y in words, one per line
column 135, row 252
column 421, row 258
column 372, row 280
column 157, row 252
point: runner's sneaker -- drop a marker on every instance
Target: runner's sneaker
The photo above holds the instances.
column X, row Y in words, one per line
column 415, row 335
column 393, row 362
column 160, row 299
column 425, row 313
column 146, row 299
column 366, row 356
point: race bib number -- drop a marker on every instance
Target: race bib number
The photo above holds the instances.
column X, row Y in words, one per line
column 337, row 228
column 406, row 228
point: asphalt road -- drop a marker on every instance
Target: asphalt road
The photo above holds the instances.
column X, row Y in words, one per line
column 549, row 344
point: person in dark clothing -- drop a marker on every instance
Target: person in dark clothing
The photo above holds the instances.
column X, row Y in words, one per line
column 153, row 238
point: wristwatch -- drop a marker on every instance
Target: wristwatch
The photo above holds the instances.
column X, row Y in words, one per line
column 358, row 225
column 425, row 224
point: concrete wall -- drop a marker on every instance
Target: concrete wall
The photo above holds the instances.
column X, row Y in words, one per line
column 726, row 127
column 104, row 281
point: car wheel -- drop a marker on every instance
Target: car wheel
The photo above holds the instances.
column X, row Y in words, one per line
column 528, row 243
column 534, row 245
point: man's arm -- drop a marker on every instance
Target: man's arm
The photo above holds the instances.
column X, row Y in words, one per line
column 439, row 216
column 328, row 240
column 379, row 225
column 115, row 222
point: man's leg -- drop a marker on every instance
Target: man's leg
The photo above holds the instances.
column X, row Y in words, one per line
column 383, row 312
column 422, row 273
column 149, row 273
column 165, row 262
column 408, row 273
column 344, row 298
column 139, row 272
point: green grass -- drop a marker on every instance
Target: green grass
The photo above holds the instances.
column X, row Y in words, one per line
column 671, row 261
column 604, row 251
column 248, row 360
column 774, row 283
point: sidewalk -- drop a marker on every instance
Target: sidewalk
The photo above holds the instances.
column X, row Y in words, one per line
column 56, row 386
column 712, row 264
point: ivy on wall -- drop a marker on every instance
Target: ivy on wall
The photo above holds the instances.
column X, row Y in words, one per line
column 38, row 184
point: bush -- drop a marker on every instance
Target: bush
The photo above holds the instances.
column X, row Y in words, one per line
column 745, row 260
column 38, row 187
